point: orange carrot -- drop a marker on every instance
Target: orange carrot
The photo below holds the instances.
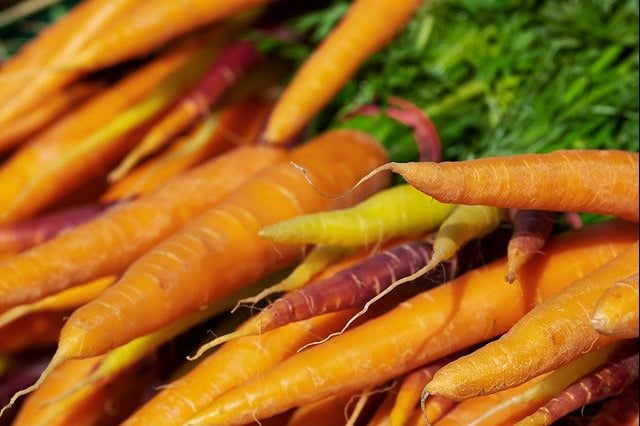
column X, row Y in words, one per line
column 616, row 313
column 421, row 330
column 434, row 409
column 25, row 180
column 409, row 392
column 531, row 229
column 202, row 262
column 38, row 330
column 141, row 31
column 42, row 67
column 368, row 26
column 622, row 410
column 238, row 124
column 124, row 232
column 329, row 411
column 551, row 335
column 596, row 181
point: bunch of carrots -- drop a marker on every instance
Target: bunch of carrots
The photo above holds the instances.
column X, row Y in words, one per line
column 197, row 228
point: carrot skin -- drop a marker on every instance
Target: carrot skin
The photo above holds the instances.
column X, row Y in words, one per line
column 126, row 231
column 531, row 229
column 596, row 181
column 207, row 255
column 549, row 336
column 421, row 330
column 616, row 313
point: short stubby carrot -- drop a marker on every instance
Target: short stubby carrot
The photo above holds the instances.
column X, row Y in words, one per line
column 110, row 243
column 551, row 335
column 209, row 257
column 368, row 26
column 596, row 181
column 461, row 313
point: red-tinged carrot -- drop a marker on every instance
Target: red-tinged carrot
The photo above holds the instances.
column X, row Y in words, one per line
column 126, row 231
column 249, row 356
column 368, row 26
column 616, row 313
column 531, row 229
column 45, row 113
column 621, row 410
column 203, row 262
column 409, row 393
column 620, row 370
column 423, row 329
column 596, row 181
column 238, row 124
column 551, row 335
column 38, row 330
column 80, row 147
column 42, row 67
column 234, row 61
column 400, row 210
column 139, row 32
column 64, row 301
column 22, row 235
column 511, row 405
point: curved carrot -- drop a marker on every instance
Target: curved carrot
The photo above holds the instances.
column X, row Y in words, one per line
column 616, row 313
column 237, row 124
column 367, row 27
column 401, row 210
column 551, row 335
column 420, row 330
column 531, row 229
column 123, row 233
column 596, row 181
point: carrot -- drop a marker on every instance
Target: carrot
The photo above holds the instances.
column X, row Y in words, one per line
column 621, row 410
column 181, row 399
column 139, row 31
column 123, row 233
column 409, row 393
column 66, row 300
column 421, row 330
column 329, row 411
column 228, row 68
column 596, row 181
column 616, row 313
column 368, row 26
column 38, row 330
column 434, row 409
column 73, row 150
column 401, row 210
column 237, row 124
column 203, row 256
column 551, row 335
column 42, row 67
column 513, row 404
column 22, row 235
column 43, row 114
column 620, row 370
column 531, row 229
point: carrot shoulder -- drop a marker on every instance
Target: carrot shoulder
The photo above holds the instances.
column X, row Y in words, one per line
column 421, row 330
column 597, row 181
column 368, row 26
column 110, row 243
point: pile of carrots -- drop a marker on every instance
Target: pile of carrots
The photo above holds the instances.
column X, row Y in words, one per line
column 158, row 190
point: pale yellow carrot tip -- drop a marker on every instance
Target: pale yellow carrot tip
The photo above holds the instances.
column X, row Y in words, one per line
column 56, row 361
column 217, row 342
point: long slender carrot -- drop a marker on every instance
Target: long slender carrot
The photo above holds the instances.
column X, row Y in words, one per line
column 239, row 124
column 401, row 210
column 22, row 235
column 58, row 154
column 551, row 335
column 232, row 63
column 596, row 181
column 620, row 370
column 139, row 31
column 621, row 410
column 616, row 313
column 124, row 232
column 420, row 330
column 367, row 27
column 531, row 229
column 206, row 260
column 409, row 393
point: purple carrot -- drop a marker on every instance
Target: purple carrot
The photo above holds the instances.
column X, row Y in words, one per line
column 620, row 370
column 20, row 236
column 531, row 229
